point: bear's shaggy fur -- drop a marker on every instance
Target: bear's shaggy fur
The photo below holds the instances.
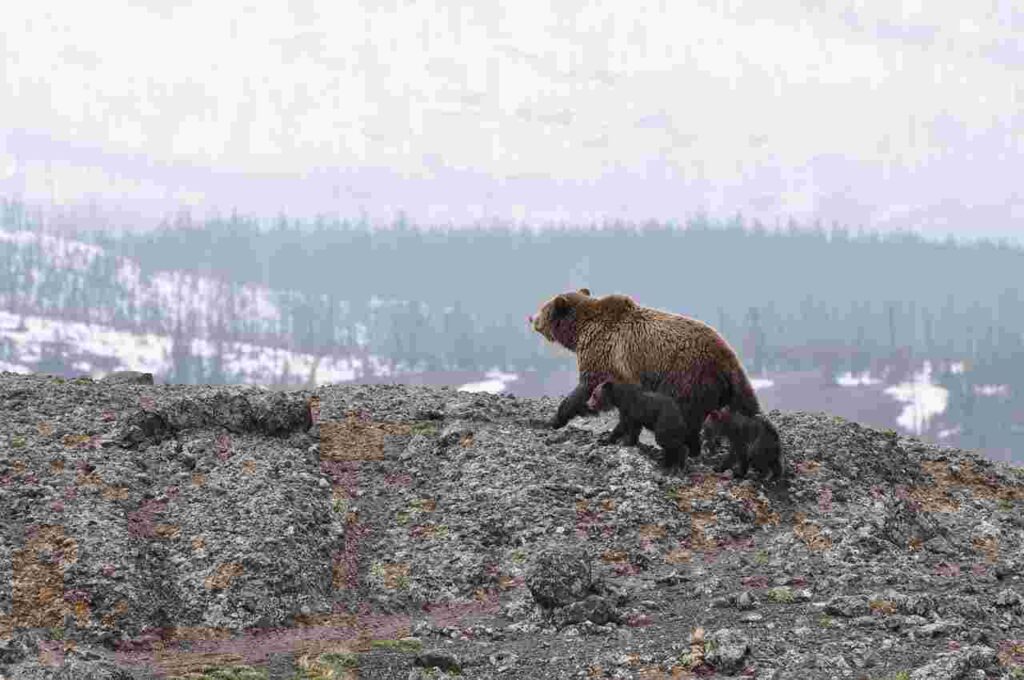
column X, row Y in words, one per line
column 752, row 439
column 616, row 339
column 639, row 409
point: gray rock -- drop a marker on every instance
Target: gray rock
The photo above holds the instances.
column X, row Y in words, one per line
column 559, row 576
column 726, row 649
column 910, row 620
column 594, row 608
column 954, row 665
column 918, row 605
column 75, row 669
column 446, row 661
column 939, row 628
column 503, row 661
column 281, row 666
column 128, row 378
column 454, row 432
column 722, row 601
column 1008, row 598
column 847, row 605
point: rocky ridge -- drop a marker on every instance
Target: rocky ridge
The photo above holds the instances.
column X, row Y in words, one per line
column 404, row 532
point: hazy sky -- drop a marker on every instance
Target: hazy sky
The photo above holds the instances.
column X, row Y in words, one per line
column 885, row 113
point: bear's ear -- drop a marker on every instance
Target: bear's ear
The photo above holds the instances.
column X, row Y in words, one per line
column 585, row 291
column 560, row 306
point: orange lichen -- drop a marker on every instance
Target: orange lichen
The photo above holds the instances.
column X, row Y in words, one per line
column 935, row 498
column 223, row 575
column 988, row 545
column 763, row 513
column 810, row 533
column 356, row 438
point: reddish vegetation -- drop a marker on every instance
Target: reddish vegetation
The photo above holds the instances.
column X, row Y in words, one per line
column 825, row 499
column 141, row 523
column 224, row 450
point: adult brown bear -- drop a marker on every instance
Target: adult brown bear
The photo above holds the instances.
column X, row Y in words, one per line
column 616, row 339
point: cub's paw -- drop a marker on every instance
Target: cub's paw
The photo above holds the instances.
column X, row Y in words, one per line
column 672, row 468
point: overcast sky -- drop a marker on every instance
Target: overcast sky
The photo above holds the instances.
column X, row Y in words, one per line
column 886, row 113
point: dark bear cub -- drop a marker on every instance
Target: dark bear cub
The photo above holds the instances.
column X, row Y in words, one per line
column 752, row 439
column 639, row 409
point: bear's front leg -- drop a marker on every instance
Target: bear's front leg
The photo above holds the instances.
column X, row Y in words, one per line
column 573, row 405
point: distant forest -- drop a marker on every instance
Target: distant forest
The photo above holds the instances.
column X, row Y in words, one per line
column 457, row 298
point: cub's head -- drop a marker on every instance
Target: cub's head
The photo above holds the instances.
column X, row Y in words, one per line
column 556, row 320
column 716, row 420
column 599, row 398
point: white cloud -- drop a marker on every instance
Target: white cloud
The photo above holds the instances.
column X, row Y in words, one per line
column 65, row 182
column 8, row 165
column 512, row 88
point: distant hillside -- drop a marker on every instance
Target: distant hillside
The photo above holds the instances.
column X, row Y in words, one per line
column 72, row 307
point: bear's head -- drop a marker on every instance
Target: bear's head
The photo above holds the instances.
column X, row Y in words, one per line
column 556, row 320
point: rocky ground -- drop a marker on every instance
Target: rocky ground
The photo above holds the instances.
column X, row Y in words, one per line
column 381, row 531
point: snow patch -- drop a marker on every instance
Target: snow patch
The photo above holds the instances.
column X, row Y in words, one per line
column 59, row 253
column 992, row 390
column 7, row 367
column 924, row 400
column 496, row 383
column 151, row 352
column 848, row 379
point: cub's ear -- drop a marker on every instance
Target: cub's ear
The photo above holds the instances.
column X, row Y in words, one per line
column 585, row 291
